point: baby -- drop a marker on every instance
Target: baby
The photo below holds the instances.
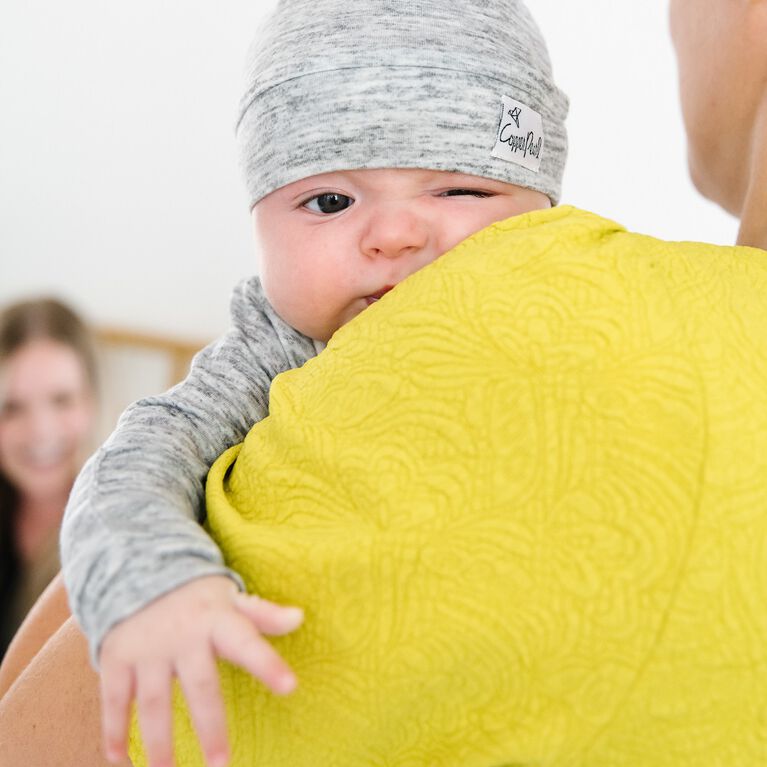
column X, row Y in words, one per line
column 374, row 137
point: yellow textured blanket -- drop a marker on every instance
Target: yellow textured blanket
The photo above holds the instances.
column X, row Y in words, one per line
column 523, row 501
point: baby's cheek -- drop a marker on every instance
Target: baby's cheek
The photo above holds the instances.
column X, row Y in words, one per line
column 284, row 300
column 294, row 304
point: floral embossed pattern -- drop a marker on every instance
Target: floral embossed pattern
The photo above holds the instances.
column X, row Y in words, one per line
column 522, row 500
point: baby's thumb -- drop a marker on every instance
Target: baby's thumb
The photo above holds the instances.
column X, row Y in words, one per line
column 269, row 618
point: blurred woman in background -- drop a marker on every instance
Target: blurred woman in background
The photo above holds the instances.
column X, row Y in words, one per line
column 47, row 416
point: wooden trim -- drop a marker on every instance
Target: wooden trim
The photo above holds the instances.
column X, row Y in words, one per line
column 179, row 351
column 120, row 337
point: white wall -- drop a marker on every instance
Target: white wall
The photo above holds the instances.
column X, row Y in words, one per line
column 118, row 181
column 627, row 155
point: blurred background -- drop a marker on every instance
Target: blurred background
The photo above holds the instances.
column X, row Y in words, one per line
column 119, row 190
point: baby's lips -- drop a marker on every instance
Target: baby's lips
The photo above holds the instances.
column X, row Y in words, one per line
column 379, row 294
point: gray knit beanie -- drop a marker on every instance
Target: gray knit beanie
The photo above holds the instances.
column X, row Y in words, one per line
column 455, row 85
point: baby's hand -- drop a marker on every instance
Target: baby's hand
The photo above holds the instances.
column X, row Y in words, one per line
column 181, row 634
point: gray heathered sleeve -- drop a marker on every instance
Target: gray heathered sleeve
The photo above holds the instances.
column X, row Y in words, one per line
column 131, row 530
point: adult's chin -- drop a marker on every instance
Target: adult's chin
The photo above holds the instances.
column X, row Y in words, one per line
column 717, row 183
column 43, row 483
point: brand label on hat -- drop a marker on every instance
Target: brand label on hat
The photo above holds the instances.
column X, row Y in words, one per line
column 520, row 135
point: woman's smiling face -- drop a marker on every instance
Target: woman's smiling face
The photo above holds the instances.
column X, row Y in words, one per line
column 332, row 244
column 47, row 411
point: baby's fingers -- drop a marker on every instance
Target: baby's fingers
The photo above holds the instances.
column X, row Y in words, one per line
column 268, row 617
column 198, row 676
column 153, row 700
column 116, row 697
column 238, row 642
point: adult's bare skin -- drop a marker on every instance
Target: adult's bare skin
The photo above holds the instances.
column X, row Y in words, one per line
column 43, row 621
column 50, row 712
column 723, row 89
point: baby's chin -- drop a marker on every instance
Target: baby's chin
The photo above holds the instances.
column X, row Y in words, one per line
column 315, row 328
column 321, row 328
column 324, row 332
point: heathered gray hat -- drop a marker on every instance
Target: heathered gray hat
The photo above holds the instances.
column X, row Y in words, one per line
column 461, row 85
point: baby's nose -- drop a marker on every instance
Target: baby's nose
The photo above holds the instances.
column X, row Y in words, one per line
column 394, row 233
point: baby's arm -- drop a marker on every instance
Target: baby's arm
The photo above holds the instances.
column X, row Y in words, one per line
column 131, row 532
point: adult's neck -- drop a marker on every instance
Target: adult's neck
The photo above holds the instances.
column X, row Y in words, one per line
column 43, row 505
column 753, row 215
column 37, row 516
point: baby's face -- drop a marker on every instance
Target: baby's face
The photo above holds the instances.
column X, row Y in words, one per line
column 333, row 244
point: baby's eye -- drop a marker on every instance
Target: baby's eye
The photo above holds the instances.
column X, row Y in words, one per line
column 329, row 202
column 464, row 192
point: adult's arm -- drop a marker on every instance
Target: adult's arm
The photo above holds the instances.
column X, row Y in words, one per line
column 51, row 713
column 42, row 622
column 132, row 530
